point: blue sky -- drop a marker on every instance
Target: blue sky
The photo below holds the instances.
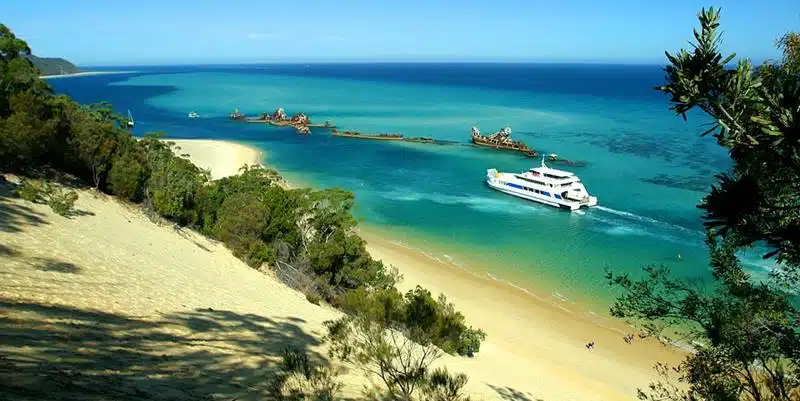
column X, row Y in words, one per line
column 142, row 32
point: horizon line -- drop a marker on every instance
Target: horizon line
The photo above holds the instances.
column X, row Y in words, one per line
column 351, row 62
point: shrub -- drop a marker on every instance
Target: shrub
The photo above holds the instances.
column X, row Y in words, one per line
column 299, row 379
column 313, row 298
column 241, row 220
column 61, row 201
column 126, row 176
column 172, row 185
column 440, row 385
column 470, row 341
column 30, row 190
column 399, row 362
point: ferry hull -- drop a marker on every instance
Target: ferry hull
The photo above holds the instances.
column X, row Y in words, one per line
column 570, row 205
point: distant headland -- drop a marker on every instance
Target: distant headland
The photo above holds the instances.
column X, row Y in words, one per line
column 48, row 66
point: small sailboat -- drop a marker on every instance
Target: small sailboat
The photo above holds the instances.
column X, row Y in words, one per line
column 194, row 115
column 131, row 123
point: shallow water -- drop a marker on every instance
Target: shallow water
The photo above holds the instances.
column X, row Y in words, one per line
column 648, row 167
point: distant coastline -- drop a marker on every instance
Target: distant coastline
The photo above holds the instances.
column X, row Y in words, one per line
column 83, row 74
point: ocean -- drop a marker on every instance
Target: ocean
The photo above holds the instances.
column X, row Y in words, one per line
column 647, row 166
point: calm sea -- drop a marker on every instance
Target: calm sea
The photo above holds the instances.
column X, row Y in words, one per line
column 648, row 167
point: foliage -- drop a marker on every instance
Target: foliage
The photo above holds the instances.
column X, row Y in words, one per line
column 299, row 379
column 172, row 184
column 747, row 332
column 30, row 190
column 306, row 235
column 127, row 175
column 399, row 362
column 241, row 221
column 60, row 201
column 53, row 65
column 421, row 317
column 443, row 386
column 313, row 298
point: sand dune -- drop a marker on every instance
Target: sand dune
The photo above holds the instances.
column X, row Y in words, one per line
column 150, row 311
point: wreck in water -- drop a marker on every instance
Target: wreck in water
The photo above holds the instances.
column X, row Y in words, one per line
column 354, row 134
column 501, row 140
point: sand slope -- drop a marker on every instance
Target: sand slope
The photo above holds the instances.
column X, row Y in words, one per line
column 146, row 310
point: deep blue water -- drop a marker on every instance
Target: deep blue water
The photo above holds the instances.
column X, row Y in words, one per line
column 648, row 167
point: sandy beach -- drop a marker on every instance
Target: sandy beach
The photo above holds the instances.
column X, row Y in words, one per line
column 192, row 301
column 224, row 159
column 533, row 346
column 83, row 74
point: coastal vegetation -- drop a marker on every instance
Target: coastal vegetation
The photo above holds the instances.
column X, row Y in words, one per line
column 747, row 330
column 307, row 236
column 53, row 65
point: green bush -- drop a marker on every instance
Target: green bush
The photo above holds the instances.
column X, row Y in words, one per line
column 299, row 379
column 126, row 176
column 241, row 220
column 313, row 298
column 30, row 190
column 443, row 386
column 420, row 316
column 60, row 201
column 173, row 184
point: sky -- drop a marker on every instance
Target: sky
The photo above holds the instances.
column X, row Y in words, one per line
column 153, row 32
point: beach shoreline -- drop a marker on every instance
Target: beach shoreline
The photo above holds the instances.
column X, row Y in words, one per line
column 529, row 335
column 83, row 74
column 222, row 158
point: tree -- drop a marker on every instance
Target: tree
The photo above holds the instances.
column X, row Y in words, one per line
column 94, row 140
column 173, row 182
column 241, row 221
column 17, row 73
column 747, row 331
column 127, row 174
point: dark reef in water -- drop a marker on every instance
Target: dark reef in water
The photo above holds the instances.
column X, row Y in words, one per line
column 699, row 183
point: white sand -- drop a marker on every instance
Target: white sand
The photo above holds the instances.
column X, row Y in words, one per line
column 83, row 74
column 117, row 261
column 224, row 159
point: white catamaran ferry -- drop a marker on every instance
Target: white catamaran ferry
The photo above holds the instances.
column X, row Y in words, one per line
column 545, row 185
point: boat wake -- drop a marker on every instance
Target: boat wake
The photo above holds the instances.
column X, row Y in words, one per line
column 647, row 220
column 479, row 203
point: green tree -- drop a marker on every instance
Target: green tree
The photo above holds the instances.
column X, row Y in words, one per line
column 173, row 183
column 94, row 140
column 747, row 331
column 127, row 174
column 17, row 73
column 241, row 221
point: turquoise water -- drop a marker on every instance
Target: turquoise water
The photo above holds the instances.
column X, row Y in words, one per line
column 648, row 167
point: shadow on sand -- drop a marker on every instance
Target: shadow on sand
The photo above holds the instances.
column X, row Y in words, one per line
column 14, row 217
column 511, row 394
column 50, row 352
